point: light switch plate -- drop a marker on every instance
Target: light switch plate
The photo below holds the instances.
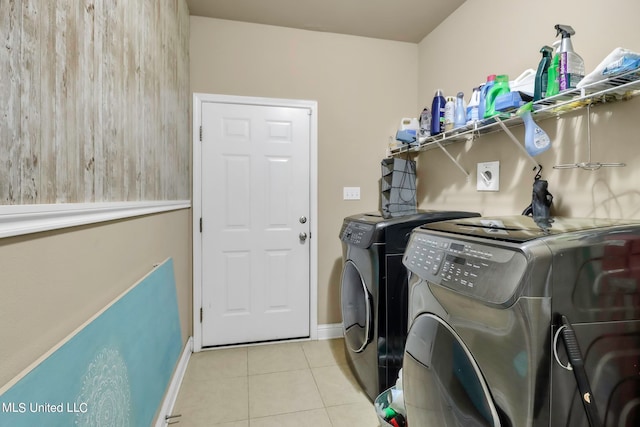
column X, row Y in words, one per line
column 351, row 193
column 488, row 176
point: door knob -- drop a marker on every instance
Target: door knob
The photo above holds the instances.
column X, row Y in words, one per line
column 302, row 236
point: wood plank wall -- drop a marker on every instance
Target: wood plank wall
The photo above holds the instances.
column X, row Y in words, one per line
column 94, row 101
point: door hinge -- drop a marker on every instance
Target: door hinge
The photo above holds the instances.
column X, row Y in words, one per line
column 200, row 314
column 200, row 133
column 201, row 225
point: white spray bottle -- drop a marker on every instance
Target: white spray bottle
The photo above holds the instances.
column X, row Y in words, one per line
column 571, row 66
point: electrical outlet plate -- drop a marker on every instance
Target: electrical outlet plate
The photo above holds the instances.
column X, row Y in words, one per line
column 351, row 193
column 488, row 176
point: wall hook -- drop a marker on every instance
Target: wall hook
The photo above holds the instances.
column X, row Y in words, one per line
column 538, row 174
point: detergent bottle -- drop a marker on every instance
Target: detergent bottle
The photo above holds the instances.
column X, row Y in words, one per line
column 500, row 87
column 473, row 106
column 437, row 113
column 482, row 105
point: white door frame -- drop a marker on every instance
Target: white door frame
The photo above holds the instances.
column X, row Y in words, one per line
column 198, row 99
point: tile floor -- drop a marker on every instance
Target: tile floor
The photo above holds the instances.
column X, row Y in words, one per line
column 286, row 384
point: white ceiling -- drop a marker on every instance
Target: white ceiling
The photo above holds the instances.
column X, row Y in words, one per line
column 400, row 20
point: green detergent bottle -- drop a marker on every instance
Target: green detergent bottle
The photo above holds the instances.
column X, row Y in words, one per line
column 499, row 87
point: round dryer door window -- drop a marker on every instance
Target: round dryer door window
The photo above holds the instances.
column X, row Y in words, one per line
column 356, row 308
column 443, row 385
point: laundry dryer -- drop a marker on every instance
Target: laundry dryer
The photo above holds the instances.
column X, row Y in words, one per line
column 374, row 292
column 495, row 302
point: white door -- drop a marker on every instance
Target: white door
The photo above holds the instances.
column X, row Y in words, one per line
column 255, row 211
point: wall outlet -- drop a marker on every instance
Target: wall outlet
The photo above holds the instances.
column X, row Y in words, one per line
column 351, row 193
column 488, row 176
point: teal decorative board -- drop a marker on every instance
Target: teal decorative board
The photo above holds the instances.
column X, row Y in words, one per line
column 112, row 372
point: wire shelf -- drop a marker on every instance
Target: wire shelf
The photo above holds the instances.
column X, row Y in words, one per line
column 611, row 89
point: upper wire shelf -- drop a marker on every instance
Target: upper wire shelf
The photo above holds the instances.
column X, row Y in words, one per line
column 616, row 88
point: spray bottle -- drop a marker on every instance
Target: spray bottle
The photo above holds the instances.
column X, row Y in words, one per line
column 571, row 67
column 553, row 86
column 542, row 75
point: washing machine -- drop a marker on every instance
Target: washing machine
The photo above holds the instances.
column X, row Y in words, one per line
column 374, row 293
column 514, row 323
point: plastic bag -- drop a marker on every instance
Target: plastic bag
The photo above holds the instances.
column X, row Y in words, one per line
column 613, row 64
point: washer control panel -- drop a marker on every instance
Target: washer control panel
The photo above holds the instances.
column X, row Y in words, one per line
column 486, row 272
column 357, row 233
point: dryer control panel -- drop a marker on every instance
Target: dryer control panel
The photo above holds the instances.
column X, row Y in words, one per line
column 489, row 273
column 358, row 234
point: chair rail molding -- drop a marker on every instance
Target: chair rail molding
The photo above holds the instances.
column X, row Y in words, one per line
column 16, row 220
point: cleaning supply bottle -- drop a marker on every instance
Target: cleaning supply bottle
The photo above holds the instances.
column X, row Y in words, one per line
column 482, row 104
column 571, row 67
column 425, row 122
column 500, row 86
column 460, row 114
column 437, row 113
column 449, row 113
column 542, row 78
column 553, row 86
column 472, row 107
column 536, row 140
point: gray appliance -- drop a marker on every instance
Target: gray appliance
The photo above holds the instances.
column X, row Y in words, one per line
column 374, row 292
column 495, row 303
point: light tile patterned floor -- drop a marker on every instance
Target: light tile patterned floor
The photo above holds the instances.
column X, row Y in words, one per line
column 285, row 385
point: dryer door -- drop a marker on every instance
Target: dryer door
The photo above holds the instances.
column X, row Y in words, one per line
column 356, row 308
column 443, row 385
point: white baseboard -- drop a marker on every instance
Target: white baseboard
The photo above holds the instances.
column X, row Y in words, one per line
column 174, row 387
column 330, row 331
